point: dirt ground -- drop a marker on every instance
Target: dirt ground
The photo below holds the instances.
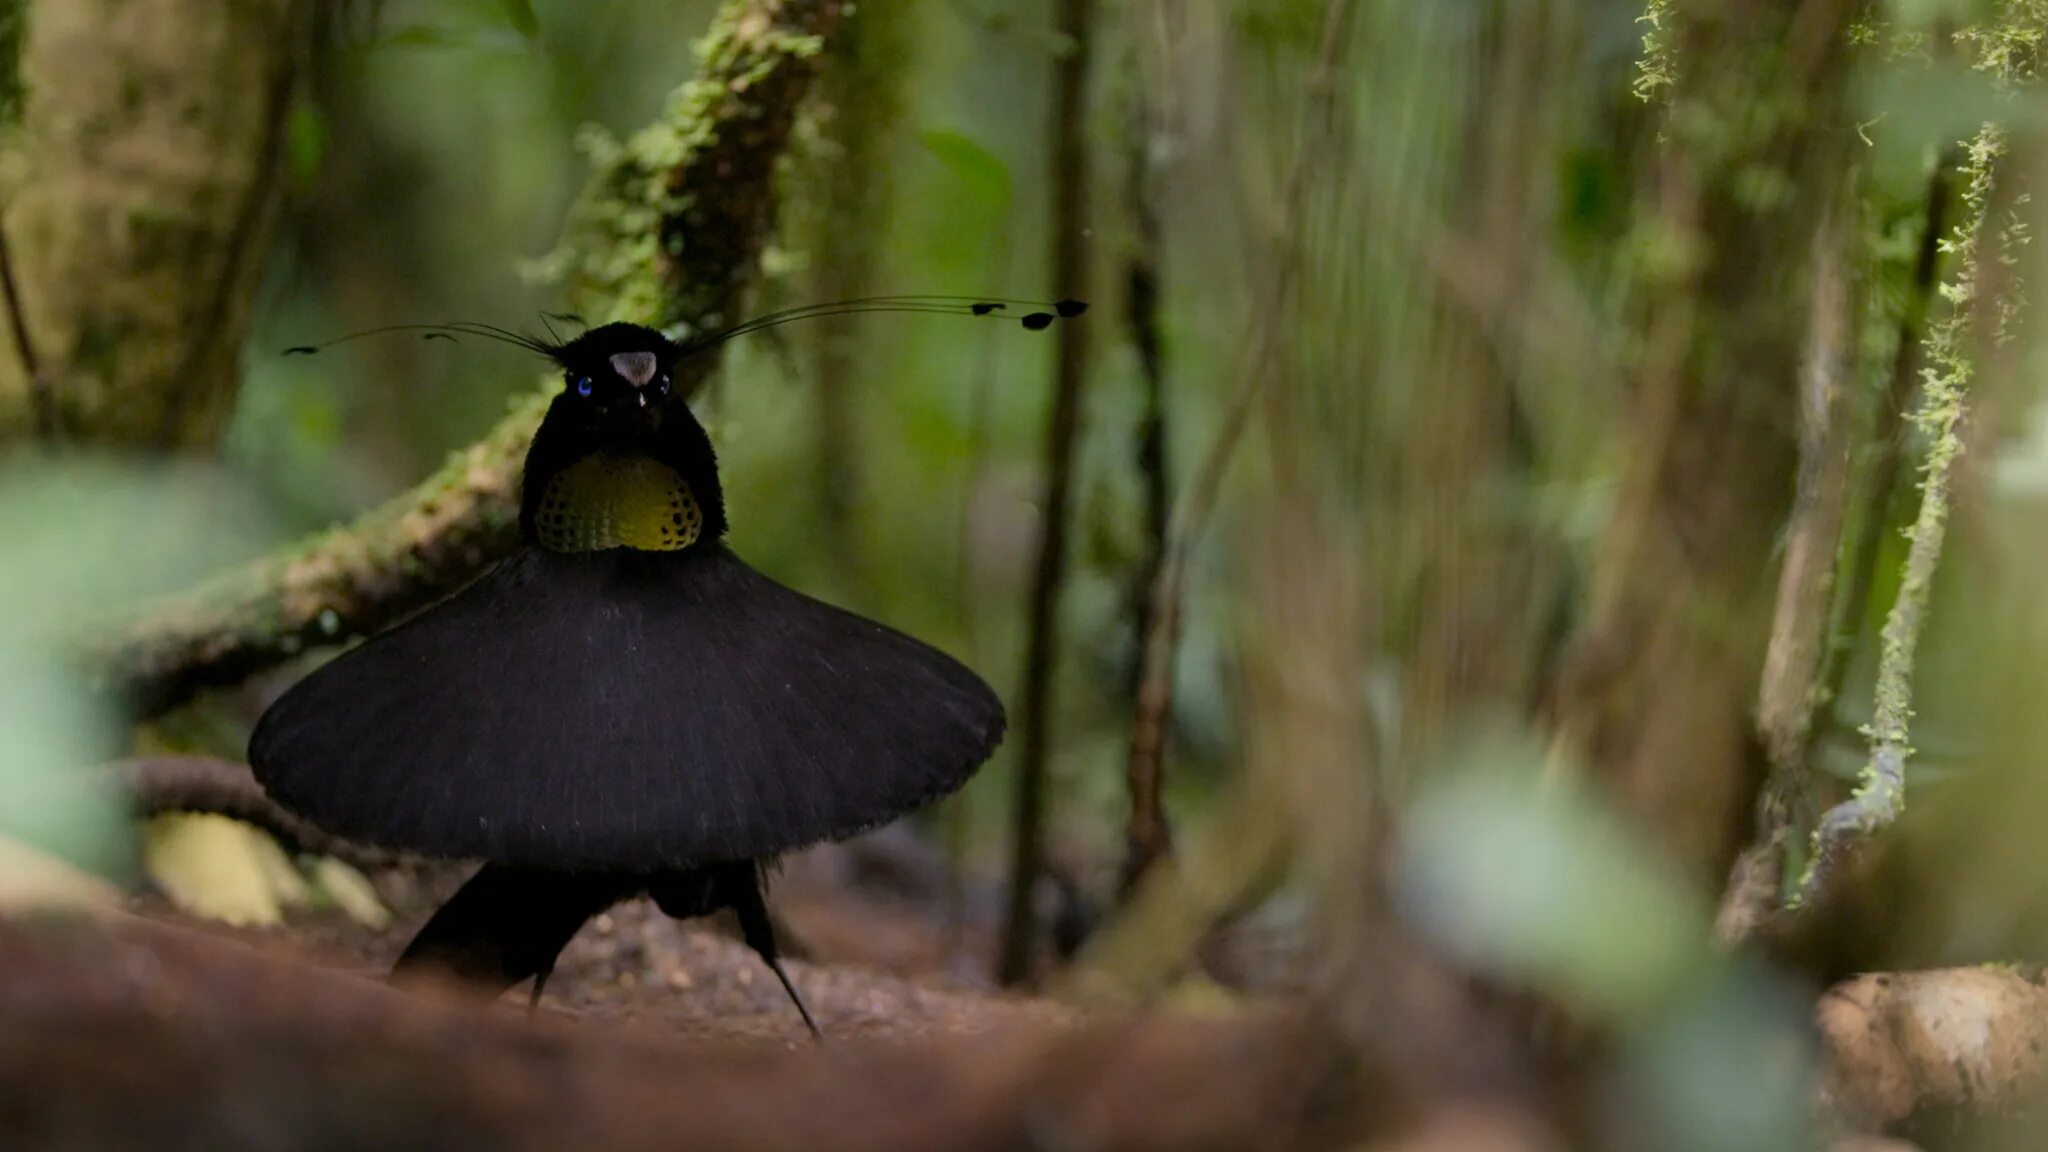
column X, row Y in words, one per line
column 877, row 959
column 127, row 1032
column 143, row 1028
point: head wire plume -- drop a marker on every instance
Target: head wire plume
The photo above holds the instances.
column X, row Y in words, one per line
column 1040, row 316
column 449, row 331
column 547, row 320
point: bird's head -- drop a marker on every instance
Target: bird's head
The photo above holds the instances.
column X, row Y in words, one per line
column 618, row 383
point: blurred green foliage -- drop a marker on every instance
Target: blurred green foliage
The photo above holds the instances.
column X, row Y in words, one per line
column 1544, row 886
column 1540, row 883
column 88, row 541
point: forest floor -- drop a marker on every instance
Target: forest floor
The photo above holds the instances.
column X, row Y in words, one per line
column 864, row 926
column 876, row 969
column 125, row 1025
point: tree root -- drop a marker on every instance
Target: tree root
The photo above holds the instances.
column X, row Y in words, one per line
column 1958, row 1038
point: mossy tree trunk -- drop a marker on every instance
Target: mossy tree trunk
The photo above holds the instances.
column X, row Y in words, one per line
column 140, row 189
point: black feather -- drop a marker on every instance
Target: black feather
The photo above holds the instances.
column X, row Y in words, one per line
column 507, row 925
column 624, row 711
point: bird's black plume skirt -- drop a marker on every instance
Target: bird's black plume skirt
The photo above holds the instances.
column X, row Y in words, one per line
column 624, row 711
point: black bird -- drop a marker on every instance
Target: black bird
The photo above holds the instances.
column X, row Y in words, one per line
column 622, row 706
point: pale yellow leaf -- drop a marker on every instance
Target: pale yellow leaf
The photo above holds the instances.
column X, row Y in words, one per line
column 351, row 891
column 218, row 868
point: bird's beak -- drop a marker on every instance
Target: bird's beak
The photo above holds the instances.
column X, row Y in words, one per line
column 643, row 398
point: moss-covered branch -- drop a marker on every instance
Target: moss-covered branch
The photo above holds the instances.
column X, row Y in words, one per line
column 1881, row 792
column 667, row 234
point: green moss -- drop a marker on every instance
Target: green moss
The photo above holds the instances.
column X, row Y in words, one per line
column 623, row 257
column 2009, row 45
column 1657, row 69
column 1946, row 381
column 1880, row 793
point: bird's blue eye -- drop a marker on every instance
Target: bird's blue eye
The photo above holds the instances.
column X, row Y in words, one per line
column 583, row 385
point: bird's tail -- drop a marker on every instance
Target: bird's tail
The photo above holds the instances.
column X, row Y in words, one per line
column 507, row 925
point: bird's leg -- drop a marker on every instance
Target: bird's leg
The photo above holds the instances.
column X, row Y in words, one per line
column 743, row 893
column 540, row 981
column 735, row 885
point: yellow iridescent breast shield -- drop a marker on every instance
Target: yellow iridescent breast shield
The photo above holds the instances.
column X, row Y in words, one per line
column 606, row 500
